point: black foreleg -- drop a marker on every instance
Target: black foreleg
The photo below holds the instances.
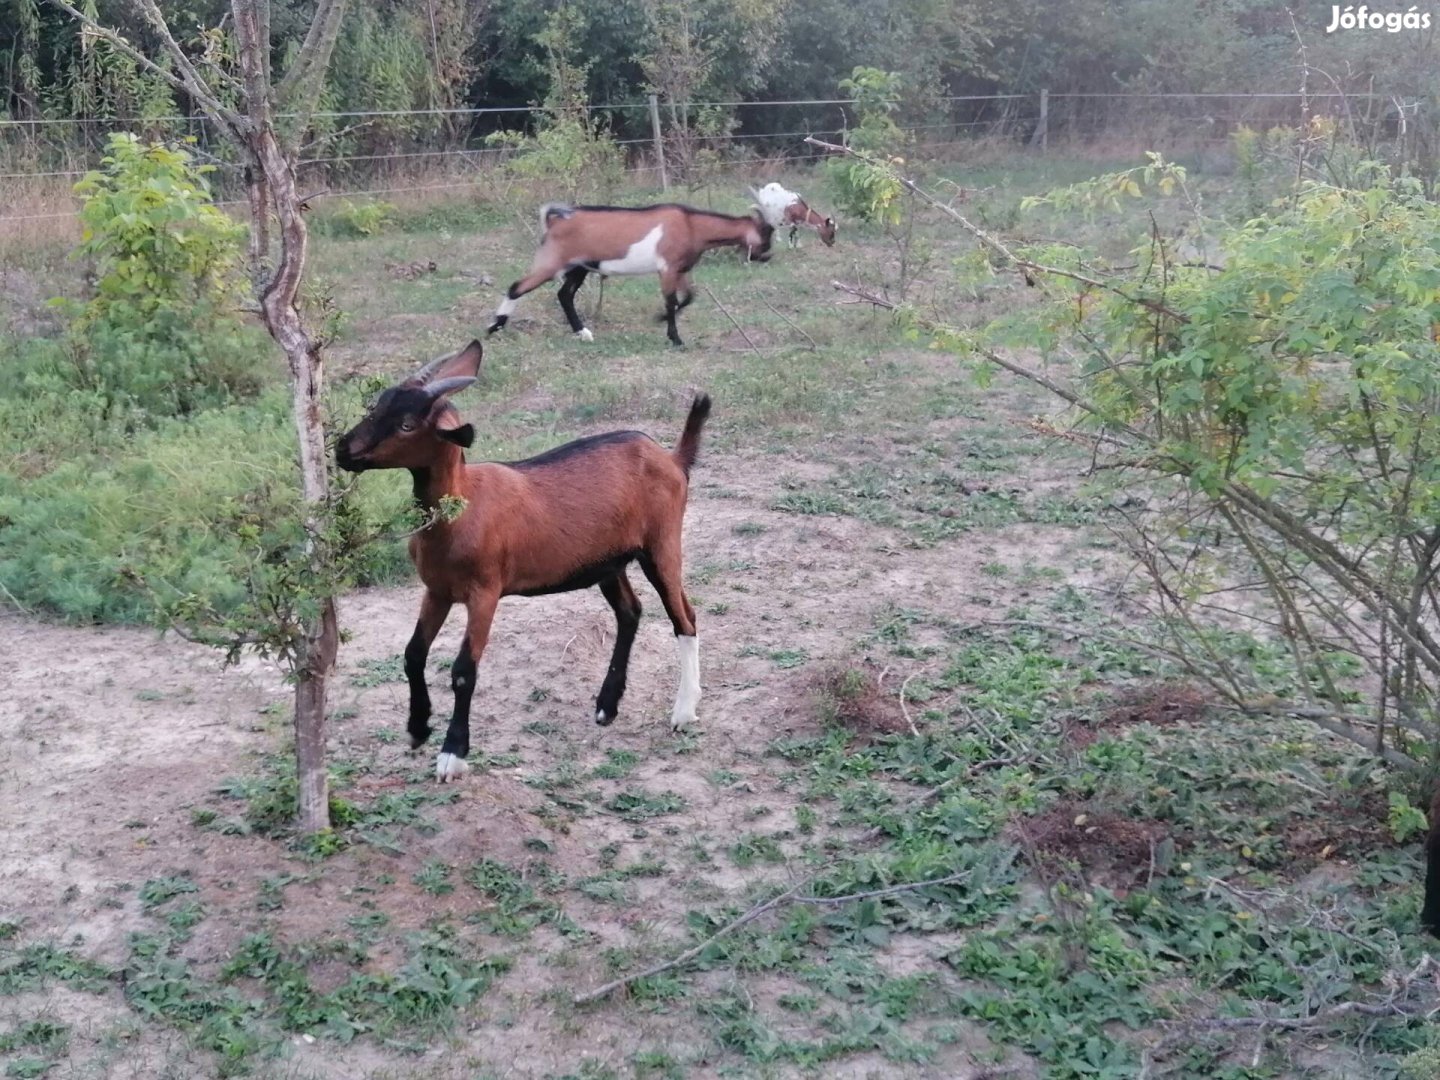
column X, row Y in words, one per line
column 622, row 598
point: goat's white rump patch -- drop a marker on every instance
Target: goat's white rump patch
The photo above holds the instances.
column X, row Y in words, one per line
column 772, row 201
column 643, row 257
column 448, row 767
column 687, row 648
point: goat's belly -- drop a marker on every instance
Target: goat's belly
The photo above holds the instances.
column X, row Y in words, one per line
column 581, row 577
column 643, row 257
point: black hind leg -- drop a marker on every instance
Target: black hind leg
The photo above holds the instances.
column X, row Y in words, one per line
column 574, row 278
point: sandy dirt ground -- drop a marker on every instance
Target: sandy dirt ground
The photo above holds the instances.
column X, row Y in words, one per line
column 110, row 738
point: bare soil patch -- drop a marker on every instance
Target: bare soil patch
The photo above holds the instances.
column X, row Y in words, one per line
column 1110, row 849
column 111, row 738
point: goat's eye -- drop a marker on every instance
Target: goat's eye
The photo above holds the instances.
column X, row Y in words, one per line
column 408, row 424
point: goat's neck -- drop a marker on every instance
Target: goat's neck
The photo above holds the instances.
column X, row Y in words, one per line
column 713, row 232
column 445, row 476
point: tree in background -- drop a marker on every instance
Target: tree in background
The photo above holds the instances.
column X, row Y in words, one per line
column 571, row 147
column 243, row 107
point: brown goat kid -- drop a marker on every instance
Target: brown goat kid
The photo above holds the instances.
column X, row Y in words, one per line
column 668, row 239
column 570, row 518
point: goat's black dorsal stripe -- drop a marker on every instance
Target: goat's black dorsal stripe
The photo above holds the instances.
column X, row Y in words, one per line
column 578, row 447
column 670, row 206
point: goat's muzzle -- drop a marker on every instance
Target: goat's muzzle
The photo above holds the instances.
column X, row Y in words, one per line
column 347, row 460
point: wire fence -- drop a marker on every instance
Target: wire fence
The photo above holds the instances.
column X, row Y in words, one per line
column 392, row 151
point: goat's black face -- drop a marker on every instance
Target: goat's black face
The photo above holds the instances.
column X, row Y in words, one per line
column 412, row 423
column 761, row 252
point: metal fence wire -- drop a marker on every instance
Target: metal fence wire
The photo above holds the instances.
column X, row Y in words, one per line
column 379, row 152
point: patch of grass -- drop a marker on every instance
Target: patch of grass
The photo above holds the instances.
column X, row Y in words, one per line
column 47, row 1036
column 434, row 878
column 32, row 965
column 810, row 502
column 439, row 978
column 183, row 918
column 376, row 672
column 158, row 891
column 618, row 765
column 518, row 908
column 637, row 804
column 753, row 848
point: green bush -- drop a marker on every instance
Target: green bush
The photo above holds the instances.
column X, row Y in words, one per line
column 365, row 219
column 865, row 185
column 161, row 336
column 197, row 510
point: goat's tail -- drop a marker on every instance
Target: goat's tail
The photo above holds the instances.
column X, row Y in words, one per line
column 688, row 448
column 554, row 209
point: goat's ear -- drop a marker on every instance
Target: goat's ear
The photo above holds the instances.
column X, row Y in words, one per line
column 465, row 363
column 464, row 435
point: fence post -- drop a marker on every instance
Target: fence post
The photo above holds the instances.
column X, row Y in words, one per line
column 659, row 143
column 1042, row 130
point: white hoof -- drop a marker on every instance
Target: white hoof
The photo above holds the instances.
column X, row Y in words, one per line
column 683, row 721
column 602, row 717
column 448, row 767
column 584, row 334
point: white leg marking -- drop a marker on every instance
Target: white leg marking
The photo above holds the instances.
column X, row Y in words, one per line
column 506, row 306
column 601, row 717
column 449, row 767
column 584, row 334
column 688, row 697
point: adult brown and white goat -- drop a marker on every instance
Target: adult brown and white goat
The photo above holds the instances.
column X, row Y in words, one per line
column 573, row 517
column 780, row 207
column 667, row 239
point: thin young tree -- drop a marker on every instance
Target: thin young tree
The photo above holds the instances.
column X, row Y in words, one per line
column 269, row 155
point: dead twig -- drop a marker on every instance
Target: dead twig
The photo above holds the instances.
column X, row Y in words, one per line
column 790, row 896
column 725, row 311
column 690, row 954
column 904, row 709
column 791, row 323
column 15, row 600
column 865, row 297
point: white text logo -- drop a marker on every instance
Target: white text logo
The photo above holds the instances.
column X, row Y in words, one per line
column 1362, row 18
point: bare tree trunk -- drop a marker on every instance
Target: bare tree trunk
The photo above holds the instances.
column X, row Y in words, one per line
column 274, row 177
column 307, row 379
column 258, row 246
column 312, row 679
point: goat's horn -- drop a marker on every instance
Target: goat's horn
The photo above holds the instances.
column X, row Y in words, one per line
column 465, row 361
column 445, row 387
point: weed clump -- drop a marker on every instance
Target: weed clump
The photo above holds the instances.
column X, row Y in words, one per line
column 850, row 698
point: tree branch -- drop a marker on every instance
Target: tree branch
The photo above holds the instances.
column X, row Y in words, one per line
column 1002, row 249
column 189, row 82
column 790, row 896
column 298, row 90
